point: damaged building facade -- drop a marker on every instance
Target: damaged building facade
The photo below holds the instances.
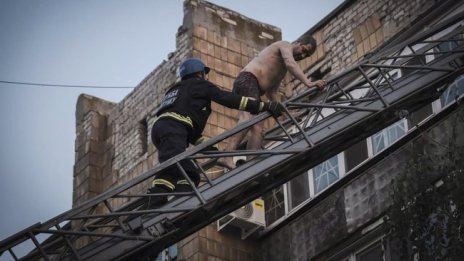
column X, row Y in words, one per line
column 310, row 217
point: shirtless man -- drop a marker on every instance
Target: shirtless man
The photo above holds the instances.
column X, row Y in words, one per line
column 263, row 75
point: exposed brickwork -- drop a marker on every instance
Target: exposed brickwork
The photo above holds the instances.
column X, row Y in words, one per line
column 91, row 148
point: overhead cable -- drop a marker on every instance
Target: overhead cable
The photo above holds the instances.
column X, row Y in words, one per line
column 67, row 85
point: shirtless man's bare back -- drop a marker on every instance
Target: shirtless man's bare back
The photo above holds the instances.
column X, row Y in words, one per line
column 263, row 75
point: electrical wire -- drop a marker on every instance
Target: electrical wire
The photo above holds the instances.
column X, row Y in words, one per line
column 67, row 85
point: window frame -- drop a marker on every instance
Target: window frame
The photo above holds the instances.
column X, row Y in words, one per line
column 341, row 173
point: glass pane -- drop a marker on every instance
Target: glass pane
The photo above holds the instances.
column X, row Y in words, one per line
column 298, row 190
column 172, row 251
column 325, row 174
column 275, row 206
column 387, row 136
column 378, row 142
column 395, row 132
column 373, row 253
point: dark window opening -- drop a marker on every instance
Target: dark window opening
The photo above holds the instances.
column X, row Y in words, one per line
column 142, row 136
column 419, row 115
column 298, row 190
column 355, row 155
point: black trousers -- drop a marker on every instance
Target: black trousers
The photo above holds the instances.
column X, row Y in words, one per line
column 171, row 138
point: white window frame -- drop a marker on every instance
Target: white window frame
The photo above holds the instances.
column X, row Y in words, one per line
column 341, row 173
column 384, row 132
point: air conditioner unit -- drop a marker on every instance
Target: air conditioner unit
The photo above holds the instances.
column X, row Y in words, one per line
column 248, row 218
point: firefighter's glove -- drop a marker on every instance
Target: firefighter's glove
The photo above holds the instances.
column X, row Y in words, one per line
column 274, row 107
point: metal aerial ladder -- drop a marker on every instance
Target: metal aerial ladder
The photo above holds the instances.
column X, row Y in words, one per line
column 357, row 103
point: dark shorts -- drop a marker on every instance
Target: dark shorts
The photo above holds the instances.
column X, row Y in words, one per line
column 246, row 84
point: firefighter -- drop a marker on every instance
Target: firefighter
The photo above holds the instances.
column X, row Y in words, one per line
column 181, row 119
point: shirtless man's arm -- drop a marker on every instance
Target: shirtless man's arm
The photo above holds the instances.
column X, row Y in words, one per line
column 287, row 51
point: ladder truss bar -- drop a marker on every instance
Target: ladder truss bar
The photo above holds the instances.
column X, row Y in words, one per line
column 387, row 79
column 315, row 105
column 93, row 234
column 343, row 92
column 38, row 246
column 203, row 172
column 12, row 254
column 285, row 130
column 430, row 68
column 17, row 238
column 152, row 194
column 349, row 101
column 295, row 122
column 69, row 244
column 107, row 204
column 192, row 185
column 385, row 103
column 247, row 153
column 92, row 227
column 129, row 213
